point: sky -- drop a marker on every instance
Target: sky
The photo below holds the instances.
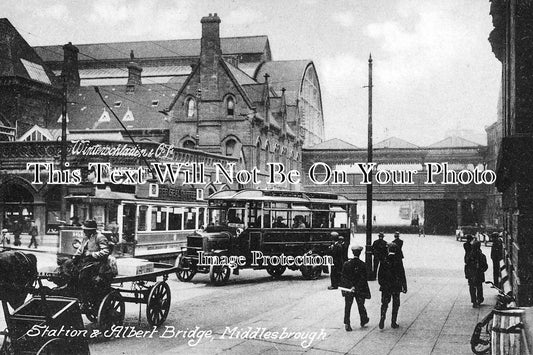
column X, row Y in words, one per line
column 433, row 69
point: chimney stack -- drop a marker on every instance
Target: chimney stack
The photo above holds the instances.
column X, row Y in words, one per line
column 70, row 71
column 210, row 54
column 134, row 74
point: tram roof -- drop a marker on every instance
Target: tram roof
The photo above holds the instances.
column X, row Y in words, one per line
column 279, row 196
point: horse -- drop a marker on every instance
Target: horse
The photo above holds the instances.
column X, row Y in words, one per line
column 18, row 272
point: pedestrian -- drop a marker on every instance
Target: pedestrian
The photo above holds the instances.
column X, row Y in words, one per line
column 467, row 246
column 398, row 242
column 392, row 281
column 34, row 232
column 379, row 249
column 496, row 254
column 476, row 265
column 17, row 231
column 5, row 237
column 339, row 253
column 354, row 277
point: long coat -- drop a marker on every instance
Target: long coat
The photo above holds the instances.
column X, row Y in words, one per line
column 391, row 275
column 354, row 275
column 475, row 266
column 339, row 253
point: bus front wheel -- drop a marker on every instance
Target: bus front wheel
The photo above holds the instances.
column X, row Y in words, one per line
column 219, row 274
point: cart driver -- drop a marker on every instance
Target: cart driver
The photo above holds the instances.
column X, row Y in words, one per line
column 94, row 245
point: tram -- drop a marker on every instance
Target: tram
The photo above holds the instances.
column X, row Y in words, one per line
column 245, row 224
column 148, row 228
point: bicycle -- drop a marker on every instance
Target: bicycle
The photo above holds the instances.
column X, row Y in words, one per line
column 480, row 343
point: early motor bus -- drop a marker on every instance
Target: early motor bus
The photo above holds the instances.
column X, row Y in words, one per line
column 266, row 229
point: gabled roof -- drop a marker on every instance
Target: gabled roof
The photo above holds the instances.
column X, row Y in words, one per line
column 456, row 142
column 154, row 49
column 241, row 77
column 145, row 104
column 19, row 59
column 393, row 143
column 286, row 74
column 332, row 144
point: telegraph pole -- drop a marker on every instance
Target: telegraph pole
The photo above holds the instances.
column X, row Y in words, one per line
column 369, row 219
column 63, row 161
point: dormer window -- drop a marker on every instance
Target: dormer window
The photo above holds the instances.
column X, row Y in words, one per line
column 190, row 104
column 230, row 106
column 155, row 103
column 117, row 104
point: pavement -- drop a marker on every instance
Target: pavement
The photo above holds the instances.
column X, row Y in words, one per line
column 436, row 316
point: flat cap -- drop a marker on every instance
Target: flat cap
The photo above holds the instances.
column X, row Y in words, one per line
column 357, row 248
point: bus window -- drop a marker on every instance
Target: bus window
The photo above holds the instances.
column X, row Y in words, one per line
column 254, row 210
column 217, row 217
column 321, row 219
column 159, row 218
column 339, row 217
column 280, row 219
column 142, row 218
column 175, row 219
column 236, row 217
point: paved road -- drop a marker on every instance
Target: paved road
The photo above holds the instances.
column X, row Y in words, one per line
column 436, row 316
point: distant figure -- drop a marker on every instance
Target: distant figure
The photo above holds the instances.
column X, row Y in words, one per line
column 468, row 244
column 279, row 223
column 339, row 253
column 399, row 243
column 392, row 281
column 5, row 237
column 354, row 277
column 17, row 231
column 496, row 254
column 113, row 228
column 379, row 249
column 75, row 221
column 476, row 265
column 34, row 232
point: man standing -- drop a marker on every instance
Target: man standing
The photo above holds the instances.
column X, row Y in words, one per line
column 496, row 254
column 354, row 277
column 392, row 281
column 399, row 243
column 379, row 249
column 339, row 253
column 17, row 231
column 476, row 265
column 34, row 232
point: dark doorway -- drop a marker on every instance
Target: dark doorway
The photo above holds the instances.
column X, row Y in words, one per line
column 440, row 216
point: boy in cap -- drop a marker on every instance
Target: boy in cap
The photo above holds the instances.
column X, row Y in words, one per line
column 354, row 277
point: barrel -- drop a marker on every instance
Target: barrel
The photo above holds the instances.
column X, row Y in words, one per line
column 507, row 341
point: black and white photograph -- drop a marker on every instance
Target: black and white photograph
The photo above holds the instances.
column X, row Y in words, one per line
column 266, row 177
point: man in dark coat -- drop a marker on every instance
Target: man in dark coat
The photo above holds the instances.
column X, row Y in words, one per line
column 392, row 281
column 339, row 253
column 468, row 244
column 17, row 231
column 379, row 249
column 496, row 254
column 475, row 267
column 399, row 243
column 354, row 277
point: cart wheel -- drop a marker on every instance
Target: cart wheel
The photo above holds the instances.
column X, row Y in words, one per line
column 311, row 272
column 55, row 346
column 158, row 304
column 218, row 274
column 186, row 271
column 111, row 311
column 276, row 271
column 91, row 311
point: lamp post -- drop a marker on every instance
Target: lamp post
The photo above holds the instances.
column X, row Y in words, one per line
column 369, row 218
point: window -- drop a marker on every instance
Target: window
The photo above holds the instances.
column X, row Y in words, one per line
column 190, row 219
column 258, row 155
column 142, row 218
column 189, row 144
column 230, row 147
column 117, row 103
column 175, row 219
column 155, row 103
column 191, row 107
column 159, row 218
column 230, row 106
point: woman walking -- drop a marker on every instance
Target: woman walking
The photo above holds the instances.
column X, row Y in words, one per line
column 392, row 281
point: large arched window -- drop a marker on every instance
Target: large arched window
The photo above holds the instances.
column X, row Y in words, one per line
column 190, row 105
column 258, row 154
column 229, row 147
column 230, row 106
